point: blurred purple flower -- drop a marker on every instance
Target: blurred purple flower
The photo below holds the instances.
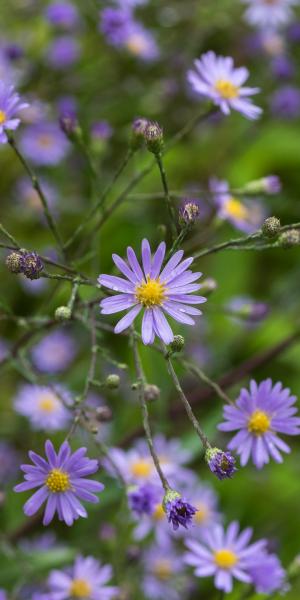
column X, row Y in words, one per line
column 9, row 462
column 62, row 14
column 28, row 197
column 267, row 574
column 101, row 130
column 245, row 215
column 44, row 406
column 259, row 414
column 67, row 105
column 269, row 14
column 10, row 107
column 44, row 144
column 143, row 499
column 121, row 30
column 216, row 78
column 285, row 102
column 163, row 571
column 248, row 310
column 62, row 482
column 282, row 67
column 54, row 352
column 86, row 579
column 4, row 349
column 63, row 52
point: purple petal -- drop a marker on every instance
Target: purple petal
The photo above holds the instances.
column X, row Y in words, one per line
column 175, row 272
column 123, row 267
column 133, row 261
column 50, row 509
column 51, row 454
column 147, row 326
column 128, row 319
column 117, row 303
column 177, row 314
column 171, row 264
column 146, row 257
column 158, row 260
column 35, row 502
column 162, row 326
column 116, row 283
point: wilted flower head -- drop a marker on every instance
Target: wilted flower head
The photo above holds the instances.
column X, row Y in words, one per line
column 246, row 216
column 269, row 14
column 143, row 499
column 224, row 555
column 44, row 143
column 189, row 212
column 31, row 265
column 86, row 579
column 216, row 78
column 259, row 414
column 10, row 106
column 153, row 289
column 44, row 406
column 178, row 510
column 222, row 464
column 62, row 483
column 62, row 14
column 55, row 352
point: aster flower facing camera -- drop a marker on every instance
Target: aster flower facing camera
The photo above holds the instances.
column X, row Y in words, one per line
column 216, row 78
column 163, row 572
column 44, row 143
column 62, row 483
column 86, row 579
column 268, row 575
column 44, row 406
column 259, row 414
column 54, row 352
column 224, row 555
column 153, row 289
column 269, row 14
column 10, row 106
column 247, row 216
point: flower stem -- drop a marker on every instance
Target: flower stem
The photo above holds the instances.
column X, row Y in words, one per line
column 173, row 223
column 203, row 377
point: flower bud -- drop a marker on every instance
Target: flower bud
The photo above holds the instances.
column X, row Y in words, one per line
column 178, row 510
column 112, row 381
column 152, row 392
column 103, row 414
column 138, row 133
column 31, row 265
column 290, row 238
column 177, row 344
column 189, row 212
column 14, row 262
column 265, row 185
column 208, row 286
column 271, row 227
column 63, row 313
column 70, row 126
column 154, row 137
column 222, row 464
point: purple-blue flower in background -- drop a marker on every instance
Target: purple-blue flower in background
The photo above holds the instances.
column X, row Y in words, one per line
column 285, row 102
column 246, row 216
column 122, row 31
column 44, row 144
column 27, row 196
column 224, row 554
column 267, row 574
column 62, row 482
column 10, row 107
column 87, row 579
column 269, row 14
column 63, row 52
column 9, row 462
column 45, row 407
column 54, row 352
column 62, row 14
column 259, row 414
column 101, row 130
column 155, row 289
column 216, row 78
column 163, row 572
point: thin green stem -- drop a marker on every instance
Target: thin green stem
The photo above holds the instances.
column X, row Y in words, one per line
column 203, row 377
column 74, row 292
column 170, row 207
column 229, row 244
column 77, row 280
column 10, row 237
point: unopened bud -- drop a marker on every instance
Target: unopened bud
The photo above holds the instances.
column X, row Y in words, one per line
column 271, row 227
column 138, row 133
column 290, row 238
column 112, row 381
column 63, row 313
column 70, row 126
column 208, row 286
column 103, row 414
column 189, row 212
column 154, row 137
column 14, row 262
column 152, row 392
column 177, row 344
column 31, row 265
column 265, row 185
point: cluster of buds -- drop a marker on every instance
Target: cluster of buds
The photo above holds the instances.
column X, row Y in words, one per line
column 148, row 132
column 28, row 263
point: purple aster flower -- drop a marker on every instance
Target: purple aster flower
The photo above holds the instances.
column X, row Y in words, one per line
column 247, row 216
column 222, row 464
column 9, row 462
column 62, row 482
column 163, row 572
column 153, row 289
column 143, row 499
column 178, row 510
column 116, row 24
column 26, row 195
column 101, row 130
column 54, row 352
column 44, row 406
column 282, row 67
column 206, row 503
column 10, row 106
column 215, row 77
column 62, row 14
column 44, row 143
column 141, row 43
column 63, row 52
column 86, row 579
column 3, row 595
column 224, row 555
column 267, row 574
column 248, row 310
column 67, row 105
column 259, row 414
column 269, row 14
column 285, row 102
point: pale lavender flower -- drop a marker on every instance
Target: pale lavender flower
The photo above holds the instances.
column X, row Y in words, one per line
column 204, row 499
column 45, row 407
column 267, row 574
column 10, row 107
column 247, row 310
column 141, row 43
column 245, row 215
column 38, row 543
column 259, row 414
column 285, row 102
column 123, row 31
column 44, row 144
column 34, row 287
column 27, row 196
column 269, row 14
column 9, row 462
column 62, row 482
column 163, row 568
column 63, row 52
column 62, row 14
column 153, row 289
column 101, row 130
column 54, row 352
column 87, row 579
column 216, row 78
column 224, row 554
column 3, row 595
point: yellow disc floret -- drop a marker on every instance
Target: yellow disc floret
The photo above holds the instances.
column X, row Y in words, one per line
column 236, row 209
column 80, row 589
column 259, row 422
column 58, row 481
column 141, row 468
column 2, row 117
column 163, row 569
column 47, row 403
column 151, row 293
column 225, row 558
column 226, row 89
column 159, row 513
column 201, row 514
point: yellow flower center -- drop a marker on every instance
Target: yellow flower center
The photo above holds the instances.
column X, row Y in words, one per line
column 163, row 569
column 80, row 589
column 159, row 513
column 259, row 422
column 45, row 141
column 225, row 559
column 226, row 89
column 2, row 117
column 58, row 481
column 47, row 403
column 151, row 293
column 136, row 44
column 236, row 209
column 201, row 514
column 141, row 468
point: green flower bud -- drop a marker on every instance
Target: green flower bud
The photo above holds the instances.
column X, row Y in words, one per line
column 290, row 238
column 152, row 392
column 112, row 381
column 271, row 227
column 178, row 344
column 14, row 262
column 63, row 313
column 154, row 137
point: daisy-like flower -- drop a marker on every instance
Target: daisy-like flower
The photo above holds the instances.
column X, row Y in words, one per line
column 86, row 579
column 10, row 106
column 224, row 555
column 62, row 482
column 259, row 414
column 163, row 572
column 215, row 77
column 54, row 352
column 268, row 575
column 247, row 216
column 153, row 289
column 44, row 406
column 44, row 143
column 269, row 14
